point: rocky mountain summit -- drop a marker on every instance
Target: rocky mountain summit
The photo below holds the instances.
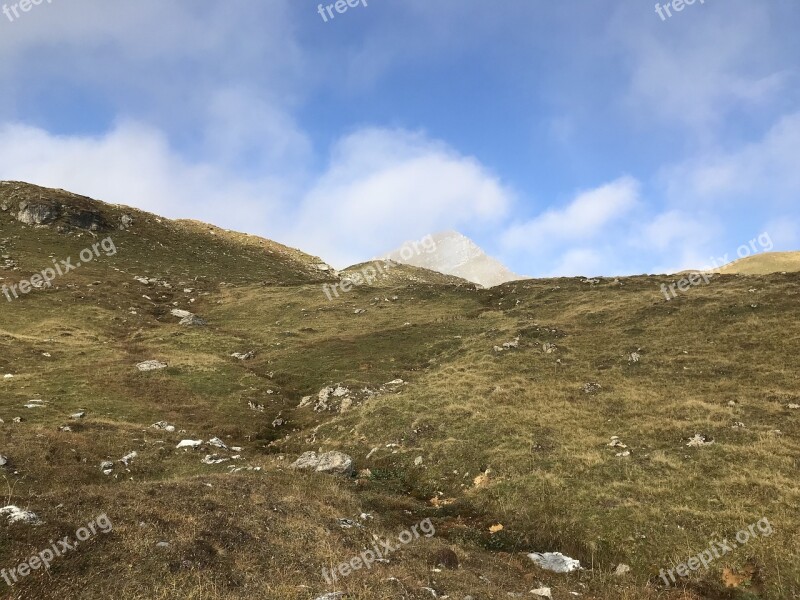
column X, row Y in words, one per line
column 454, row 254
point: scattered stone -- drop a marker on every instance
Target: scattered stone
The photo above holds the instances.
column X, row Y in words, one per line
column 622, row 569
column 543, row 592
column 3, row 460
column 214, row 459
column 151, row 365
column 331, row 596
column 616, row 443
column 192, row 321
column 215, row 441
column 181, row 314
column 634, row 357
column 592, row 388
column 347, row 523
column 35, row 404
column 162, row 544
column 336, row 463
column 78, row 415
column 65, row 428
column 189, row 444
column 164, row 426
column 128, row 458
column 793, row 406
column 125, row 222
column 418, row 461
column 17, row 515
column 8, row 376
column 623, row 454
column 549, row 348
column 246, row 356
column 106, row 467
column 555, row 561
column 359, row 311
column 699, row 440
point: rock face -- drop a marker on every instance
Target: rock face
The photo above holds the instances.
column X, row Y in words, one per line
column 37, row 214
column 335, row 463
column 451, row 253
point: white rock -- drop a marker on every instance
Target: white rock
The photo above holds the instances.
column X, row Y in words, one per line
column 3, row 460
column 151, row 365
column 214, row 459
column 699, row 440
column 329, row 462
column 215, row 441
column 181, row 314
column 543, row 592
column 128, row 457
column 793, row 406
column 164, row 426
column 190, row 444
column 8, row 376
column 78, row 415
column 621, row 570
column 16, row 515
column 555, row 561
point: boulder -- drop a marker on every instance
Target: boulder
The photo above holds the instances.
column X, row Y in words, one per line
column 335, row 463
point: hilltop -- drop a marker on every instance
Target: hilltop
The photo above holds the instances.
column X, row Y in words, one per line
column 764, row 264
column 588, row 417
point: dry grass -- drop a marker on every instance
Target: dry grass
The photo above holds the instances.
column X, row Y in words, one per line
column 521, row 414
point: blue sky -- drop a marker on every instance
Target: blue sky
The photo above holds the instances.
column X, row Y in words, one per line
column 564, row 137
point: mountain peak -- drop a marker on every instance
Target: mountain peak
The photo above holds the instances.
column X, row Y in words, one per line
column 453, row 253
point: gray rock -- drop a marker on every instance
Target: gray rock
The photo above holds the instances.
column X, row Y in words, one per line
column 3, row 460
column 555, row 561
column 37, row 214
column 181, row 314
column 125, row 221
column 335, row 463
column 331, row 596
column 192, row 321
column 151, row 365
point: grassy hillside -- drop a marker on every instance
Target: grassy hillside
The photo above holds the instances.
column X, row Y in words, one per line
column 764, row 264
column 475, row 436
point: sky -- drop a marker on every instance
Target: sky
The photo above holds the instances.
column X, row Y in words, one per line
column 565, row 137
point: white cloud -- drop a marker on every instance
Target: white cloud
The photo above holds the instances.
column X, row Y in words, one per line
column 584, row 218
column 704, row 63
column 134, row 165
column 764, row 172
column 384, row 187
